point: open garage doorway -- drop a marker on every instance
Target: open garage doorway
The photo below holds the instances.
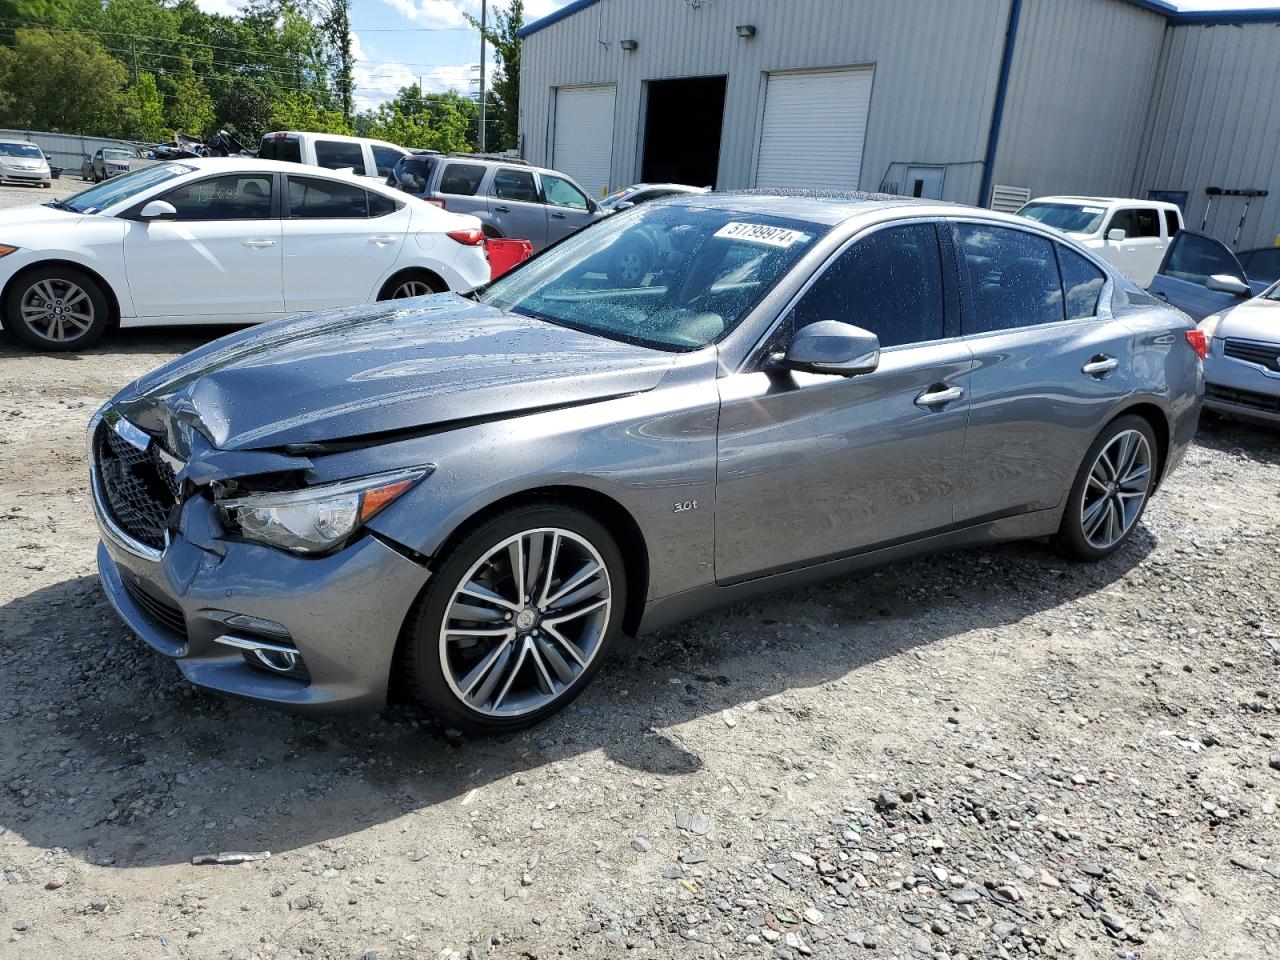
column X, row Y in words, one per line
column 682, row 131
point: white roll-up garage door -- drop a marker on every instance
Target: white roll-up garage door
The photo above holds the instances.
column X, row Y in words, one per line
column 583, row 143
column 815, row 124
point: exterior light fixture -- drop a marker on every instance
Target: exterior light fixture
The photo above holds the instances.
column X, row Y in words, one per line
column 629, row 45
column 746, row 30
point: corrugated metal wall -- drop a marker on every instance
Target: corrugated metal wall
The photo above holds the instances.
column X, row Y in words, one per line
column 935, row 63
column 1079, row 93
column 1216, row 123
column 66, row 150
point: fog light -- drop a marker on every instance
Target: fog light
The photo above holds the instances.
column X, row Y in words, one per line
column 257, row 625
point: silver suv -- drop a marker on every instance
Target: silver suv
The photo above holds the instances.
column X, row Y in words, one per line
column 512, row 198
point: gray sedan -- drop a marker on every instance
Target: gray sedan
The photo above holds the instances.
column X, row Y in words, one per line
column 477, row 494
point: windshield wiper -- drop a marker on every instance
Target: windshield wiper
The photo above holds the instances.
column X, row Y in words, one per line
column 61, row 205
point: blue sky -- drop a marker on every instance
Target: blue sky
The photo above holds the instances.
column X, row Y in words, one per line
column 400, row 41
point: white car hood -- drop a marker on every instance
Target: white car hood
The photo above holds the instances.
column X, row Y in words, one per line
column 36, row 213
column 1258, row 319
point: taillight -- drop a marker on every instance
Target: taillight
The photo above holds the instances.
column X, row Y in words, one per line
column 1199, row 343
column 434, row 203
column 468, row 238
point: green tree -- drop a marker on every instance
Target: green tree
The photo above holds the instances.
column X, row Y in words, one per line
column 298, row 111
column 504, row 35
column 142, row 114
column 60, row 81
column 336, row 24
column 412, row 118
column 190, row 110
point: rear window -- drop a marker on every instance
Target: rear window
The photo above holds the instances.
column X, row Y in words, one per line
column 412, row 174
column 339, row 155
column 287, row 149
column 313, row 199
column 461, row 179
column 1013, row 279
column 1171, row 223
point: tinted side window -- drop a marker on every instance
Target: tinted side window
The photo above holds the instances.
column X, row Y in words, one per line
column 337, row 155
column 412, row 174
column 233, row 197
column 380, row 206
column 1171, row 224
column 1195, row 258
column 288, row 149
column 311, row 199
column 462, row 179
column 384, row 158
column 1082, row 282
column 889, row 283
column 515, row 185
column 562, row 193
column 1136, row 223
column 1013, row 279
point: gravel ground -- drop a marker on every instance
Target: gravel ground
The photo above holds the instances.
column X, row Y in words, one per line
column 15, row 194
column 992, row 754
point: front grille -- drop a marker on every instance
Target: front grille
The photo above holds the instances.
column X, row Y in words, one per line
column 139, row 489
column 166, row 614
column 1266, row 403
column 1266, row 354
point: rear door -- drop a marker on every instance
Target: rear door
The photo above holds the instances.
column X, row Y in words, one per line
column 1191, row 260
column 1139, row 254
column 340, row 242
column 568, row 209
column 340, row 155
column 1048, row 365
column 461, row 187
column 219, row 260
column 841, row 465
column 516, row 207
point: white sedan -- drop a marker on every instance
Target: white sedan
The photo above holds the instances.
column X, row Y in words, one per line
column 222, row 240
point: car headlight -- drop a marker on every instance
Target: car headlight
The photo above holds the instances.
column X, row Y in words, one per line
column 1209, row 325
column 6, row 249
column 315, row 519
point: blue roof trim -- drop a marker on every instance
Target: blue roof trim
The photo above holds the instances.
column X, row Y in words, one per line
column 1171, row 13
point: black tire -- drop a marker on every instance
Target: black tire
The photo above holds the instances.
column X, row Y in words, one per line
column 432, row 283
column 421, row 660
column 1073, row 538
column 57, row 277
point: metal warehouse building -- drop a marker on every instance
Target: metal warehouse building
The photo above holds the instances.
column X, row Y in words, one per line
column 978, row 101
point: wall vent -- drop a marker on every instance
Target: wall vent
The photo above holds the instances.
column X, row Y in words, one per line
column 1008, row 199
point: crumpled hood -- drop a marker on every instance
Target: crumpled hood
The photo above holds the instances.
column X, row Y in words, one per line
column 1258, row 319
column 359, row 372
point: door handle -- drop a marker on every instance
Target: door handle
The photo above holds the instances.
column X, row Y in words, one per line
column 501, row 209
column 382, row 240
column 939, row 396
column 557, row 216
column 1100, row 366
column 258, row 243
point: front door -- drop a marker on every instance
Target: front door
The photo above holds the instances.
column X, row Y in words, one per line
column 1192, row 259
column 340, row 242
column 1047, row 367
column 516, row 207
column 218, row 261
column 568, row 209
column 829, row 465
column 1140, row 252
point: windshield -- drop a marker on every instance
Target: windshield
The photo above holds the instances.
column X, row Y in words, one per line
column 116, row 154
column 668, row 277
column 28, row 150
column 1067, row 217
column 122, row 188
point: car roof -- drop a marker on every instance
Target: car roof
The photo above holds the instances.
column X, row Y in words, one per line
column 344, row 138
column 25, row 143
column 817, row 206
column 678, row 187
column 1106, row 201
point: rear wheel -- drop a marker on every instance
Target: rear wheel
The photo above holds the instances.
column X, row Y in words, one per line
column 411, row 285
column 1111, row 490
column 517, row 618
column 56, row 308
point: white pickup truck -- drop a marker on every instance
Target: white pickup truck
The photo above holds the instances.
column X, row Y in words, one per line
column 1132, row 234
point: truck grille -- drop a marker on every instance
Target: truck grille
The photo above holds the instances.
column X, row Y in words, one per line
column 138, row 488
column 1266, row 354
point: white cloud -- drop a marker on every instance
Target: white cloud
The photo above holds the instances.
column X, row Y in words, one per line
column 227, row 8
column 449, row 13
column 380, row 80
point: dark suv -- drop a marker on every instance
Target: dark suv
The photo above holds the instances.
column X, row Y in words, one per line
column 511, row 198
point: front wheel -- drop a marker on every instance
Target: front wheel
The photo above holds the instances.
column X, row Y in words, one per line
column 1111, row 490
column 516, row 619
column 56, row 308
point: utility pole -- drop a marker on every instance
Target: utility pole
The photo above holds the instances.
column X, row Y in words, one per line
column 484, row 26
column 134, row 45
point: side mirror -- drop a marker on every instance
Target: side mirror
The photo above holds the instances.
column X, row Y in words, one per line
column 158, row 210
column 830, row 346
column 1116, row 235
column 1225, row 283
column 623, row 205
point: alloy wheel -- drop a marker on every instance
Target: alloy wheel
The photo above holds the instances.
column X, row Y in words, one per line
column 411, row 288
column 1118, row 485
column 57, row 310
column 630, row 267
column 525, row 622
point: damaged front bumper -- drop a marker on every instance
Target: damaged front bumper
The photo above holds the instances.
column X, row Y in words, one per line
column 303, row 632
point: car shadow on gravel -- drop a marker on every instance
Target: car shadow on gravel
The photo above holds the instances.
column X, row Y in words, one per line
column 105, row 751
column 136, row 340
column 1240, row 438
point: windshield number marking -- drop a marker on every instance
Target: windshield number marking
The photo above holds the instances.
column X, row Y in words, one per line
column 760, row 233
